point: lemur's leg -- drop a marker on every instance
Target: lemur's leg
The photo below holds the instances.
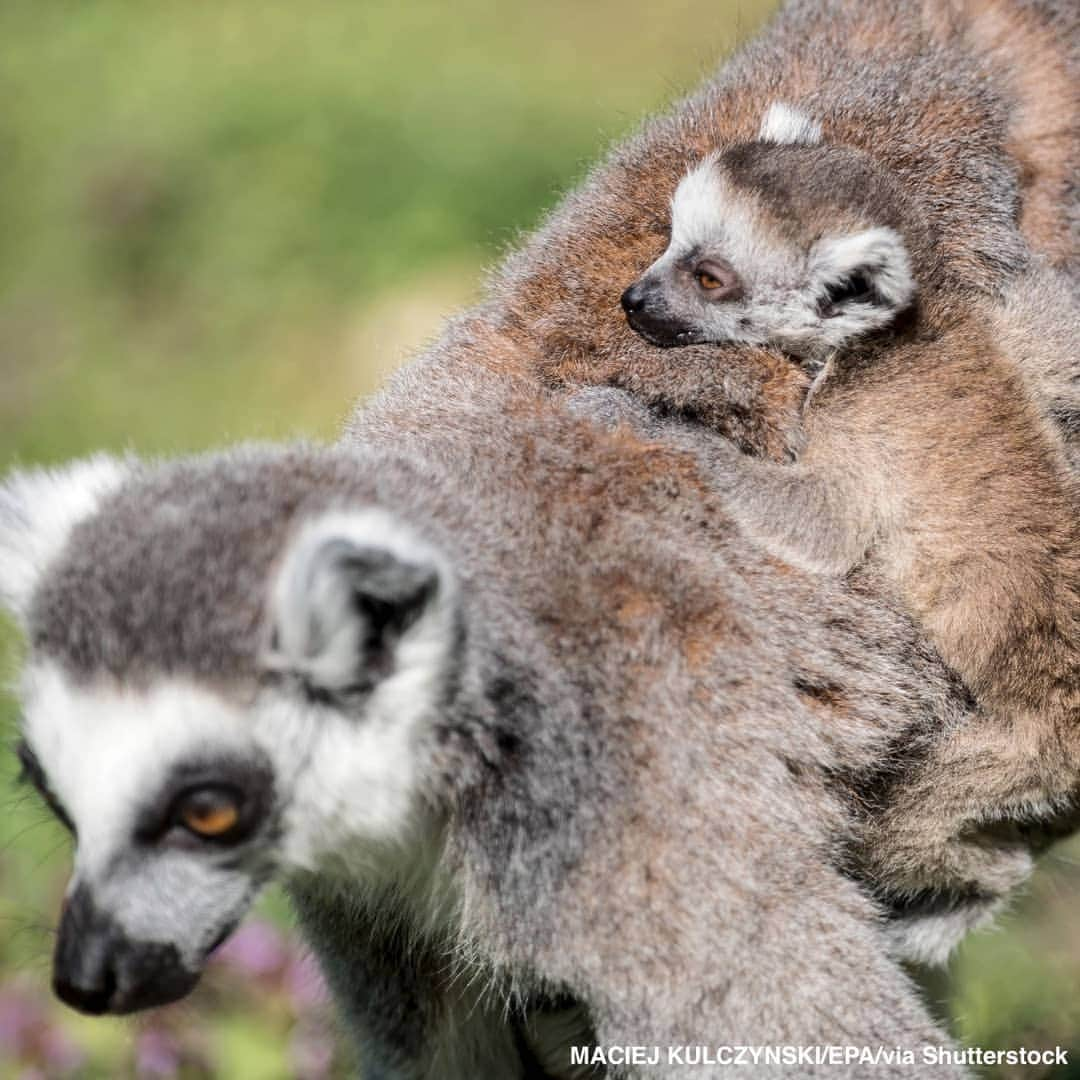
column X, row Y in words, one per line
column 409, row 1016
column 966, row 818
column 822, row 525
column 1007, row 778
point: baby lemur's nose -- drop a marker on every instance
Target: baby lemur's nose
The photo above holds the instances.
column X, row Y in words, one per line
column 633, row 299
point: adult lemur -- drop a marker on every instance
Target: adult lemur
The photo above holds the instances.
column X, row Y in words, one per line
column 825, row 672
column 529, row 735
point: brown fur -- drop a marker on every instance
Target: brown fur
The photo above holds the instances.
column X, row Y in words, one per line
column 929, row 460
column 948, row 99
column 928, row 453
column 982, row 544
column 1032, row 50
column 886, row 78
column 976, row 523
column 959, row 130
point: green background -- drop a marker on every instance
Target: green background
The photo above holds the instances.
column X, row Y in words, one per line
column 226, row 220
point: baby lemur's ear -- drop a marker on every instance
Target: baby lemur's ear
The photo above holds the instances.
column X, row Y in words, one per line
column 784, row 123
column 353, row 590
column 861, row 281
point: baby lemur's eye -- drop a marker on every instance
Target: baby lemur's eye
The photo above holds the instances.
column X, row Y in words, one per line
column 717, row 280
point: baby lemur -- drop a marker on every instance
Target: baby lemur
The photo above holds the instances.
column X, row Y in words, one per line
column 785, row 241
column 925, row 455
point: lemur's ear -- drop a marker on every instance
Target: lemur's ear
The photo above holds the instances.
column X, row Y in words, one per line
column 786, row 124
column 351, row 590
column 861, row 281
column 38, row 510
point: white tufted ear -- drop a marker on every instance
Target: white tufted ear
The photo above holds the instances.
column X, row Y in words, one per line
column 38, row 510
column 861, row 281
column 355, row 590
column 786, row 124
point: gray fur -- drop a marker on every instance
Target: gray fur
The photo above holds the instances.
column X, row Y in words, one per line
column 815, row 695
column 615, row 730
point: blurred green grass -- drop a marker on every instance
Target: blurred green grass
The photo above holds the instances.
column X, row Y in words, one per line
column 201, row 203
column 222, row 221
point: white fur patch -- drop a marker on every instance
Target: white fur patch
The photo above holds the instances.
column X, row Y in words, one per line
column 365, row 769
column 104, row 747
column 38, row 510
column 708, row 212
column 786, row 124
column 931, row 939
column 879, row 254
column 696, row 206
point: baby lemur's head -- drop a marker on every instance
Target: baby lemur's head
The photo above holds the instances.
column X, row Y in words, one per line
column 783, row 241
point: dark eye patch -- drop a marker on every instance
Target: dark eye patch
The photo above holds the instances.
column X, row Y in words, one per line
column 31, row 772
column 249, row 785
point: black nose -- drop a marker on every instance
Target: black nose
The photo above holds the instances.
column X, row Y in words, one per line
column 84, row 974
column 98, row 969
column 633, row 300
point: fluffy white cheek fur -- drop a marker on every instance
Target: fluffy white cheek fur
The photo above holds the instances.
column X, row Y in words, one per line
column 107, row 749
column 38, row 509
column 363, row 781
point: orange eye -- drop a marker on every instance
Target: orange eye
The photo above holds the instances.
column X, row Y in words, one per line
column 707, row 281
column 210, row 812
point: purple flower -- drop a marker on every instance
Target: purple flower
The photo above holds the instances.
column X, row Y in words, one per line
column 256, row 949
column 304, row 983
column 156, row 1054
column 60, row 1053
column 20, row 1020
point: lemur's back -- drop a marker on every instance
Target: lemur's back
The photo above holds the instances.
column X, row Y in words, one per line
column 915, row 85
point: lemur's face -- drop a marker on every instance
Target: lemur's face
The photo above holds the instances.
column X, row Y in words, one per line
column 186, row 794
column 176, row 812
column 763, row 251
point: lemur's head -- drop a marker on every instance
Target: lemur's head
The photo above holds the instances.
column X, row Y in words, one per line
column 231, row 674
column 783, row 241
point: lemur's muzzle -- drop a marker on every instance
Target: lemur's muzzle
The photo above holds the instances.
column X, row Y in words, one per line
column 648, row 316
column 98, row 969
